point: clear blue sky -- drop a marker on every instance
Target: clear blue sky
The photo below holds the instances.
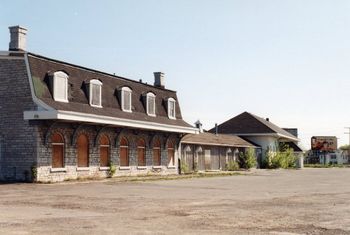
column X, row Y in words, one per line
column 287, row 60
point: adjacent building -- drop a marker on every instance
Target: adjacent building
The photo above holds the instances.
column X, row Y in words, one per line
column 259, row 131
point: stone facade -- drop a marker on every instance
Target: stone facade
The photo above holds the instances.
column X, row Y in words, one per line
column 71, row 131
column 18, row 137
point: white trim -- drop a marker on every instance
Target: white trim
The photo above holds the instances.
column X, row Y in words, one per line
column 123, row 89
column 170, row 100
column 149, row 95
column 99, row 84
column 125, row 168
column 37, row 101
column 83, row 168
column 104, row 168
column 157, row 167
column 142, row 167
column 277, row 135
column 84, row 117
column 60, row 75
column 61, row 169
column 171, row 167
column 214, row 144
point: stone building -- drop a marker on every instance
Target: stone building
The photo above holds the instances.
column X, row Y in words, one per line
column 62, row 121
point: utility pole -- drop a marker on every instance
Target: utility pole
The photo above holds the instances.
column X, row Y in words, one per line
column 348, row 133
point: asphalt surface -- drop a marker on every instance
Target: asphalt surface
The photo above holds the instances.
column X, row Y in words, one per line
column 308, row 201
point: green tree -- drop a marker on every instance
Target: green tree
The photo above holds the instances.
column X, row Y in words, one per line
column 248, row 159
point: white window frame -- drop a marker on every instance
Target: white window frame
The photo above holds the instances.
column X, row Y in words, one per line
column 148, row 96
column 99, row 84
column 59, row 75
column 171, row 100
column 126, row 89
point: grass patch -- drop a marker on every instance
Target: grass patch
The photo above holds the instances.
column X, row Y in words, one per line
column 325, row 165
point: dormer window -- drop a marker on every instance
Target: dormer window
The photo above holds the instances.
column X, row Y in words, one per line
column 60, row 86
column 151, row 104
column 126, row 99
column 95, row 93
column 171, row 108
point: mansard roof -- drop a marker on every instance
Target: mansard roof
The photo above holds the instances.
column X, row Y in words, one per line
column 41, row 68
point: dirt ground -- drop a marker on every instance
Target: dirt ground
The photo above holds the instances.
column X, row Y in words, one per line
column 309, row 201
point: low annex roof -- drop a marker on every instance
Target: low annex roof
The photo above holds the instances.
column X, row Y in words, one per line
column 249, row 124
column 41, row 67
column 207, row 138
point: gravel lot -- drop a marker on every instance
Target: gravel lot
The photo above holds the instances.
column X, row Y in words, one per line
column 309, row 201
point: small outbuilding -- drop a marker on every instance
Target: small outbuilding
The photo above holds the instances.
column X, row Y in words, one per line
column 211, row 152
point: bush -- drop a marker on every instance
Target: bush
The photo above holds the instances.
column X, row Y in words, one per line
column 112, row 169
column 232, row 166
column 285, row 159
column 34, row 171
column 184, row 167
column 247, row 159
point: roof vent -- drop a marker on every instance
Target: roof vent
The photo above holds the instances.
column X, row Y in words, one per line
column 159, row 79
column 268, row 119
column 18, row 38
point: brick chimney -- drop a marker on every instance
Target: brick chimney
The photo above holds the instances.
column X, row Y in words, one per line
column 159, row 79
column 18, row 38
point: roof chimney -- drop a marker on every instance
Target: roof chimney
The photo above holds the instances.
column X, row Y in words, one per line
column 18, row 38
column 199, row 125
column 216, row 129
column 268, row 119
column 159, row 79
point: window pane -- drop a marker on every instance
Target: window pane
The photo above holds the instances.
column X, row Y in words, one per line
column 95, row 99
column 151, row 105
column 127, row 100
column 172, row 109
column 60, row 88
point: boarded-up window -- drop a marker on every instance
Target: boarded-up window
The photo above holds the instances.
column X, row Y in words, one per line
column 104, row 150
column 141, row 153
column 171, row 154
column 57, row 151
column 124, row 152
column 156, row 153
column 83, row 151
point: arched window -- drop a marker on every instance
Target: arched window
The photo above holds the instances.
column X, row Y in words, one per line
column 171, row 154
column 151, row 104
column 95, row 93
column 171, row 108
column 104, row 151
column 156, row 153
column 60, row 86
column 126, row 100
column 83, row 150
column 57, row 151
column 124, row 152
column 141, row 153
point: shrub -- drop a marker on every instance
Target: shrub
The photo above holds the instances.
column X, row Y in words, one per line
column 248, row 159
column 285, row 159
column 184, row 167
column 112, row 169
column 34, row 171
column 232, row 166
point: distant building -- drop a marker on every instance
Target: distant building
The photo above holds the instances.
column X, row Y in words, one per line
column 259, row 131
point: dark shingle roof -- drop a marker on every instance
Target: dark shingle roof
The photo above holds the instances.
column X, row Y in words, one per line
column 207, row 138
column 41, row 67
column 247, row 123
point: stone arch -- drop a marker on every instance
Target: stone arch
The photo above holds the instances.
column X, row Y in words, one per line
column 77, row 131
column 100, row 133
column 52, row 130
